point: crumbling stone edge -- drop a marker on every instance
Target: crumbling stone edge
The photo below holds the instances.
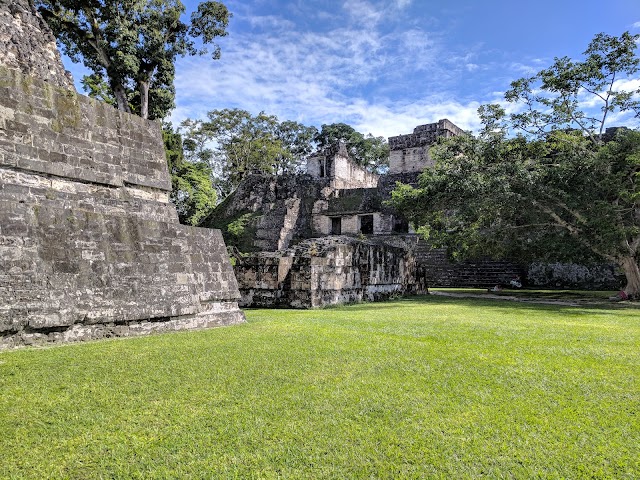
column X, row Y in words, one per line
column 220, row 314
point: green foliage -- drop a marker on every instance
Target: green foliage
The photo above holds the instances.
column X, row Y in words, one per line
column 132, row 45
column 555, row 98
column 366, row 150
column 424, row 388
column 192, row 189
column 96, row 87
column 236, row 228
column 236, row 143
column 560, row 194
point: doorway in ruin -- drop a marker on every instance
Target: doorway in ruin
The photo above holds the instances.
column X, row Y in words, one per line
column 400, row 225
column 366, row 224
column 336, row 226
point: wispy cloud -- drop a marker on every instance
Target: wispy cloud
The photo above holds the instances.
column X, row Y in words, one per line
column 366, row 65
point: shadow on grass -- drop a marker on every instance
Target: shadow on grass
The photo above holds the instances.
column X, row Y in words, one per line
column 502, row 304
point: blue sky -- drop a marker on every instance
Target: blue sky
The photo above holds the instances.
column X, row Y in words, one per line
column 386, row 66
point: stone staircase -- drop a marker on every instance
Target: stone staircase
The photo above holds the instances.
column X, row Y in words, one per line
column 439, row 271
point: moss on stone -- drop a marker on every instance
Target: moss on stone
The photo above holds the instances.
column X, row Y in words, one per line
column 66, row 105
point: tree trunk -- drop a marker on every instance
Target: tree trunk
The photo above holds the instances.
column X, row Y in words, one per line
column 121, row 97
column 143, row 87
column 632, row 272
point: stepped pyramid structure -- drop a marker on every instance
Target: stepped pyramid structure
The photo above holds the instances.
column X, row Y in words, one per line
column 90, row 245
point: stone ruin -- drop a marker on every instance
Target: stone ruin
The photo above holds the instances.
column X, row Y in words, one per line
column 328, row 237
column 410, row 153
column 90, row 245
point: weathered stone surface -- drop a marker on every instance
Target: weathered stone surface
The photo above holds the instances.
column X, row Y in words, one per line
column 327, row 271
column 54, row 131
column 27, row 44
column 279, row 211
column 343, row 173
column 569, row 275
column 90, row 245
column 410, row 153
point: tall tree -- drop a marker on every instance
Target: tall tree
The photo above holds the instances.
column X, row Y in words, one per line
column 192, row 190
column 555, row 191
column 237, row 143
column 133, row 44
column 558, row 97
column 367, row 151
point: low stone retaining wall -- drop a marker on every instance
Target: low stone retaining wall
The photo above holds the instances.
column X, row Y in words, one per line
column 327, row 271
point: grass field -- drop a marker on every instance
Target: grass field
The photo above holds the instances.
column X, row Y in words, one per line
column 430, row 387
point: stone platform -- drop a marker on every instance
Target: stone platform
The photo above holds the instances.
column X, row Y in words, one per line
column 90, row 245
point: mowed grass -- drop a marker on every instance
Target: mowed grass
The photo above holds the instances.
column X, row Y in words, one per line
column 429, row 387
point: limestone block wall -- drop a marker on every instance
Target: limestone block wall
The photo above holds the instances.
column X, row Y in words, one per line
column 90, row 246
column 57, row 133
column 434, row 266
column 327, row 271
column 569, row 275
column 410, row 153
column 347, row 174
column 26, row 44
column 334, row 163
column 278, row 209
column 413, row 159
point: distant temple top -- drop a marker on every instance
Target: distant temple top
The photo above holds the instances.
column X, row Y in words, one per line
column 410, row 153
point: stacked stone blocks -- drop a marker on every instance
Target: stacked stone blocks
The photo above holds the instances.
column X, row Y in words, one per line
column 90, row 245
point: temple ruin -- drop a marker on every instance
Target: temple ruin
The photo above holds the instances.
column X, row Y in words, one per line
column 90, row 246
column 328, row 236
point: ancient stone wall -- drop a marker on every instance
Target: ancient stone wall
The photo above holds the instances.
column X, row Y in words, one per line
column 90, row 245
column 26, row 44
column 410, row 153
column 335, row 164
column 434, row 266
column 572, row 276
column 276, row 210
column 327, row 271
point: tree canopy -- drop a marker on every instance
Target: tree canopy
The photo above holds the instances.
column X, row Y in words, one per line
column 367, row 151
column 192, row 190
column 579, row 94
column 554, row 191
column 131, row 45
column 236, row 143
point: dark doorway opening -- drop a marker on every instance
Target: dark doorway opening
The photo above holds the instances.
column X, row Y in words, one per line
column 400, row 225
column 336, row 226
column 366, row 224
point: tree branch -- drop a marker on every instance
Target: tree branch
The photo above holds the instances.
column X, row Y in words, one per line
column 574, row 231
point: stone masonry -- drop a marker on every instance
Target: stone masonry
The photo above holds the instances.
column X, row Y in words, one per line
column 27, row 44
column 90, row 245
column 410, row 153
column 327, row 271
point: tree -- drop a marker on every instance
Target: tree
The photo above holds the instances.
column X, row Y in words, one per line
column 558, row 97
column 192, row 190
column 551, row 192
column 366, row 150
column 236, row 143
column 133, row 44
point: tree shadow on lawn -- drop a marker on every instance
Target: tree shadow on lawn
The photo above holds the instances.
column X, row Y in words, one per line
column 599, row 306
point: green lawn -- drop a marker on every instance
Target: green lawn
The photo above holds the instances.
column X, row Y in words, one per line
column 431, row 387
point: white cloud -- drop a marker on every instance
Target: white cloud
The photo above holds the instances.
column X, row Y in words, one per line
column 636, row 25
column 400, row 4
column 349, row 72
